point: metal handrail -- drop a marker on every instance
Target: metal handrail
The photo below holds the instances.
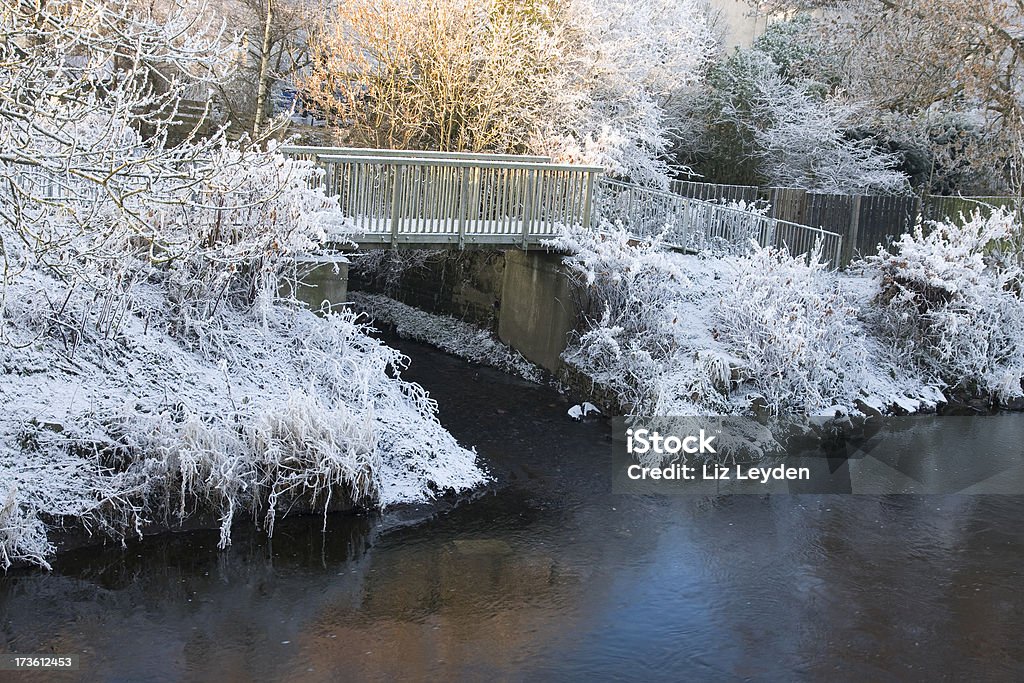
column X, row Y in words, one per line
column 697, row 225
column 296, row 150
column 459, row 163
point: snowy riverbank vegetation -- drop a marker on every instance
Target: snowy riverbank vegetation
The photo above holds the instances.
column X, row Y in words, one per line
column 154, row 364
column 451, row 335
column 672, row 334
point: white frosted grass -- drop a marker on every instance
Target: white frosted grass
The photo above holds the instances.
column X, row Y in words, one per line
column 449, row 334
column 140, row 428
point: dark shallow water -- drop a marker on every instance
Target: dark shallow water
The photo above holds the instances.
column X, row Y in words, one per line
column 547, row 576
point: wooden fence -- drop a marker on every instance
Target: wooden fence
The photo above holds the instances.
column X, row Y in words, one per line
column 867, row 221
column 864, row 221
column 951, row 208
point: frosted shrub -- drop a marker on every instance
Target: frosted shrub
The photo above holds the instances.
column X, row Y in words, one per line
column 280, row 410
column 795, row 329
column 252, row 213
column 674, row 334
column 950, row 299
column 153, row 362
column 642, row 342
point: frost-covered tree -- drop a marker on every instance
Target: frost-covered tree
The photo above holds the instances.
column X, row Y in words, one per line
column 763, row 126
column 90, row 91
column 449, row 75
column 804, row 142
column 587, row 80
column 927, row 59
column 630, row 64
column 275, row 52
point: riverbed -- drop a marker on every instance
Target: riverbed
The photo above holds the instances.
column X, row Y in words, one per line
column 546, row 575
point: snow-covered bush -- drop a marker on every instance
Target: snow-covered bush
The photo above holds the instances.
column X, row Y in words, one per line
column 795, row 329
column 153, row 362
column 951, row 299
column 119, row 429
column 646, row 340
column 675, row 334
column 236, row 240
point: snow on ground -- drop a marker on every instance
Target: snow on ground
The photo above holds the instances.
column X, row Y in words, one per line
column 449, row 334
column 119, row 429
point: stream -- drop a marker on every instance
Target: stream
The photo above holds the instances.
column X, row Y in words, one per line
column 546, row 575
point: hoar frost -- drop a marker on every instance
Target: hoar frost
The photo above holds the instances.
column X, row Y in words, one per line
column 154, row 361
column 677, row 334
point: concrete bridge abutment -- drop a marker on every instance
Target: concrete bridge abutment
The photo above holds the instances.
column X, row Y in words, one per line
column 525, row 297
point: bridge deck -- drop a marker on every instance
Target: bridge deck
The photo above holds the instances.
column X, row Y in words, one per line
column 418, row 232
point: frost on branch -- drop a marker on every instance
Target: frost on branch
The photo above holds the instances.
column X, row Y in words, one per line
column 646, row 340
column 625, row 66
column 950, row 299
column 154, row 363
column 673, row 334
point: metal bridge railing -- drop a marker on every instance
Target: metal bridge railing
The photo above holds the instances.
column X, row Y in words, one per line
column 311, row 153
column 435, row 199
column 698, row 225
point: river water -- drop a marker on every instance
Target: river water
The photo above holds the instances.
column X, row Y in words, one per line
column 546, row 575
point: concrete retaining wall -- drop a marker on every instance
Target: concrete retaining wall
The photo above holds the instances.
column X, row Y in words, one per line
column 525, row 298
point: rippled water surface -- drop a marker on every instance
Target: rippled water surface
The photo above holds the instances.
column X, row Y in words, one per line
column 547, row 576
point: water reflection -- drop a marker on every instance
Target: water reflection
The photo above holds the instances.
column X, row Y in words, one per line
column 549, row 576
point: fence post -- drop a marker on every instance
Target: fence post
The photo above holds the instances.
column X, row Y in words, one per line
column 850, row 239
column 396, row 205
column 531, row 191
column 463, row 206
column 588, row 200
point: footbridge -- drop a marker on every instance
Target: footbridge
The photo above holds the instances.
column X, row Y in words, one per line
column 420, row 199
column 448, row 199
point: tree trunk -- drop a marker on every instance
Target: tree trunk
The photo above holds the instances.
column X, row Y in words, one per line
column 262, row 85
